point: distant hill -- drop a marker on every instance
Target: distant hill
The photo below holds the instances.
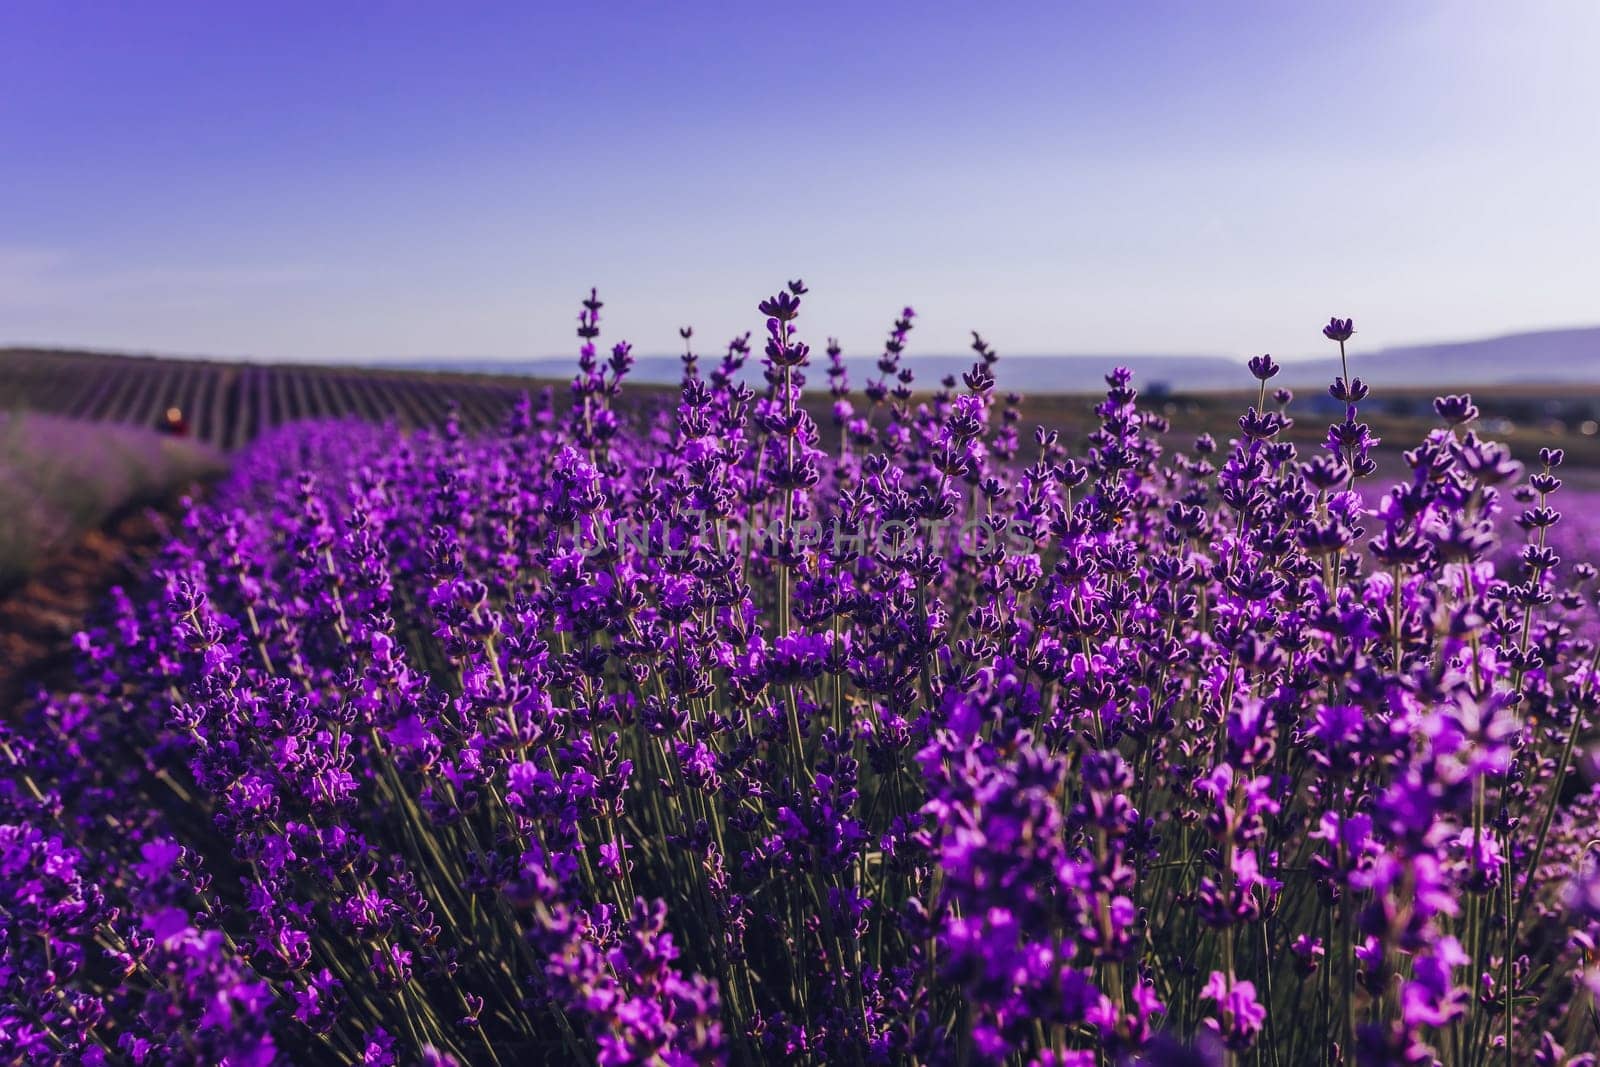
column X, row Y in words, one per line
column 1544, row 357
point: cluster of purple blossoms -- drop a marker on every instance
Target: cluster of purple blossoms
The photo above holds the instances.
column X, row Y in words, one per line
column 1219, row 755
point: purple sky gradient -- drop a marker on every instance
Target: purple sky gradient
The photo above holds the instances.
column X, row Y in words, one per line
column 369, row 181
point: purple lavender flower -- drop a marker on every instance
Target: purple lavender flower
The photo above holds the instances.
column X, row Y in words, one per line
column 1263, row 367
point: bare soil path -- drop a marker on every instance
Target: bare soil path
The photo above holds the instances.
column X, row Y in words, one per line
column 39, row 617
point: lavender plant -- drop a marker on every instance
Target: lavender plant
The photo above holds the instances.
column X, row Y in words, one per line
column 696, row 735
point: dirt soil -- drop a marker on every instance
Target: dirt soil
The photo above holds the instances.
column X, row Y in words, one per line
column 39, row 617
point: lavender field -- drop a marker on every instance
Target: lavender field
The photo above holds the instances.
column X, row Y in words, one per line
column 699, row 729
column 228, row 404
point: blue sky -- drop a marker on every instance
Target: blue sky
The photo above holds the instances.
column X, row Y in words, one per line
column 370, row 181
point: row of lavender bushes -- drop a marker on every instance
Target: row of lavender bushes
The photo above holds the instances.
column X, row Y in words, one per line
column 60, row 477
column 578, row 743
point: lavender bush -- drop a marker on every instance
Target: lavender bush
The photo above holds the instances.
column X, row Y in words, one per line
column 697, row 735
column 60, row 477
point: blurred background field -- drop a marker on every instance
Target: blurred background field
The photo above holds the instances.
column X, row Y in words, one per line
column 228, row 404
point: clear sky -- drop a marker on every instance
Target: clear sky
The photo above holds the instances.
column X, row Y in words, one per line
column 390, row 180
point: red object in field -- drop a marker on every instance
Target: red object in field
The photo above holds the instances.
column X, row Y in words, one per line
column 174, row 424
